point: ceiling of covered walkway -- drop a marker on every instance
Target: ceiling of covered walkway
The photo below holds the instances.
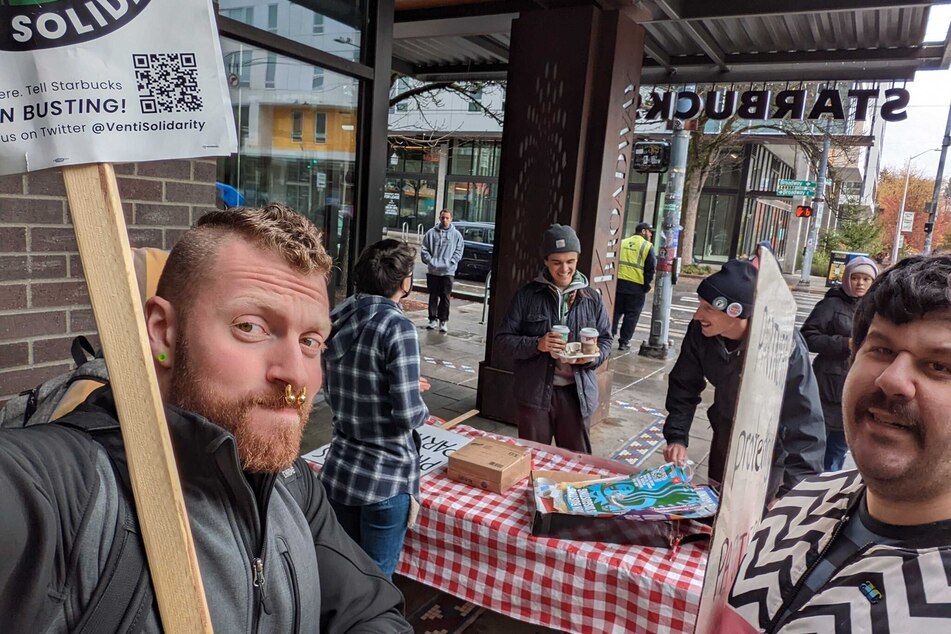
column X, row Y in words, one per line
column 690, row 41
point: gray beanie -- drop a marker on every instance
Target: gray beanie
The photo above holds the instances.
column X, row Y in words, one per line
column 560, row 239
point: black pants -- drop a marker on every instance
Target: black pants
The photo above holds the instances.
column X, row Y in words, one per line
column 562, row 420
column 440, row 287
column 628, row 306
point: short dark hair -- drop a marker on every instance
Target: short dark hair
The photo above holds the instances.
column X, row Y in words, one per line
column 383, row 266
column 909, row 290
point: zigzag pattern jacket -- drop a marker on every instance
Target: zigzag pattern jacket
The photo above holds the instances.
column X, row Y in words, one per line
column 914, row 579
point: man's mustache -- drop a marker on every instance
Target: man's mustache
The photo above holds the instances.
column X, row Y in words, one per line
column 902, row 411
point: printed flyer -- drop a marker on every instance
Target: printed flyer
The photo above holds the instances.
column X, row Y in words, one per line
column 662, row 493
column 87, row 81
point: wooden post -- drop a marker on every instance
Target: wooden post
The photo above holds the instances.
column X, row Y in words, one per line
column 107, row 264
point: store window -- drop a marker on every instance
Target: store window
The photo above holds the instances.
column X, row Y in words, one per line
column 714, row 228
column 333, row 27
column 472, row 201
column 320, row 127
column 281, row 157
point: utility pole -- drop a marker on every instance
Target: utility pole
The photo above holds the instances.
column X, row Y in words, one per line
column 818, row 203
column 658, row 344
column 933, row 212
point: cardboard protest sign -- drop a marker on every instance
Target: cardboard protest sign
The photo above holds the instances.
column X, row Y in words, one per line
column 437, row 444
column 86, row 81
column 762, row 384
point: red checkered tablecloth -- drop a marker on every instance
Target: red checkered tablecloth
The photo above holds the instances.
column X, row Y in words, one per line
column 478, row 545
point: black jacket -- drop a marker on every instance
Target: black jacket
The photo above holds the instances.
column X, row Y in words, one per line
column 800, row 441
column 533, row 312
column 59, row 494
column 827, row 331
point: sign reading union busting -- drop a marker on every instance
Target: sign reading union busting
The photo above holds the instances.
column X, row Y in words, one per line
column 85, row 81
column 751, row 441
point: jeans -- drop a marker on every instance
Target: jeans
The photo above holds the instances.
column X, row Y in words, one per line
column 378, row 528
column 836, row 448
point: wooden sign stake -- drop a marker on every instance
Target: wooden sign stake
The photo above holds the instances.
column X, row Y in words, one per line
column 107, row 264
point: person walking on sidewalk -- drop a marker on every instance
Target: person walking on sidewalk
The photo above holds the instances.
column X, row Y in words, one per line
column 712, row 350
column 634, row 277
column 828, row 331
column 373, row 386
column 441, row 252
column 555, row 397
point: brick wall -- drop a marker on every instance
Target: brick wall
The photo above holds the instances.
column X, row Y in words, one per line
column 43, row 297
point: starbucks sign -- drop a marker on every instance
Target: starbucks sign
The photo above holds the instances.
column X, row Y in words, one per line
column 27, row 25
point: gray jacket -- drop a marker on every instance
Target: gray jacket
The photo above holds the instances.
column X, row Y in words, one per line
column 534, row 310
column 59, row 496
column 442, row 250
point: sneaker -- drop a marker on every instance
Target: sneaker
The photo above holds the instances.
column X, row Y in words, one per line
column 624, row 346
column 443, row 326
column 432, row 324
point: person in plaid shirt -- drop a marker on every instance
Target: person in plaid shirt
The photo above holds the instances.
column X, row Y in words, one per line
column 373, row 386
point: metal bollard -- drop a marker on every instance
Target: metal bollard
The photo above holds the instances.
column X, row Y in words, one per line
column 485, row 296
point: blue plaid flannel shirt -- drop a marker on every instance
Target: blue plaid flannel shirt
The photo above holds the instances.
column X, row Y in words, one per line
column 371, row 370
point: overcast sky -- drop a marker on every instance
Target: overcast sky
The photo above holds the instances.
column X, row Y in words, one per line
column 927, row 111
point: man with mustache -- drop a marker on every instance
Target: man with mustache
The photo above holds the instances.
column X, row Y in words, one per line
column 870, row 550
column 236, row 330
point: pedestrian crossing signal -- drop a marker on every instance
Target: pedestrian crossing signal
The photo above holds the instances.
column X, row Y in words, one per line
column 804, row 211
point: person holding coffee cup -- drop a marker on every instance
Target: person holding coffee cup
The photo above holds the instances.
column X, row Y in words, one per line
column 556, row 395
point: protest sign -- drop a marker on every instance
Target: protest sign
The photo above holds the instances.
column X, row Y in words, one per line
column 95, row 81
column 743, row 497
column 84, row 83
column 436, row 446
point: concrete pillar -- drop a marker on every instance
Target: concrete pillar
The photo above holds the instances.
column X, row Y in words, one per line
column 566, row 146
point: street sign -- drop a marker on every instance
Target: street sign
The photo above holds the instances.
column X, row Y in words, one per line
column 798, row 191
column 907, row 221
column 787, row 183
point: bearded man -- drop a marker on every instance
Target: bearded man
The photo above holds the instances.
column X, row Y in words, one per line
column 236, row 330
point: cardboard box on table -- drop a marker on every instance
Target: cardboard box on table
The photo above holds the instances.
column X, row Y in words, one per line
column 490, row 464
column 618, row 529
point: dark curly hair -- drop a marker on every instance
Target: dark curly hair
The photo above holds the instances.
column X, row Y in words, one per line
column 909, row 290
column 383, row 266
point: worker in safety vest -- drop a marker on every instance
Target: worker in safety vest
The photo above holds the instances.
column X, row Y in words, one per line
column 635, row 275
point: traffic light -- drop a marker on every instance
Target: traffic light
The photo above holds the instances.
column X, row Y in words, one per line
column 803, row 211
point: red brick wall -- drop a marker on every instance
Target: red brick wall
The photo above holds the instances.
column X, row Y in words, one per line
column 43, row 298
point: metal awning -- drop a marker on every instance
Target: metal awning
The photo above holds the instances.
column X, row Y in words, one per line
column 690, row 40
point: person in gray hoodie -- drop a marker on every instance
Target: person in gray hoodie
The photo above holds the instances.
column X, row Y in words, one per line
column 441, row 252
column 373, row 386
column 556, row 397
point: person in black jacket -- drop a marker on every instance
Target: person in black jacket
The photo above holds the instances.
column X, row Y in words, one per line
column 828, row 331
column 712, row 351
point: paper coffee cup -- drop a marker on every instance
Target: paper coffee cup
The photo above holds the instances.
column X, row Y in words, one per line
column 589, row 340
column 563, row 331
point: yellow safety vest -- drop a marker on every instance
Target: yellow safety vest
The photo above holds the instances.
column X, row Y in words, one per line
column 634, row 252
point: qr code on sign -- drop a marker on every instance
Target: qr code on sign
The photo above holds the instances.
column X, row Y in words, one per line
column 167, row 82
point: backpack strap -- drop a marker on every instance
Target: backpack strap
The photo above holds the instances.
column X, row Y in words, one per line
column 299, row 481
column 124, row 594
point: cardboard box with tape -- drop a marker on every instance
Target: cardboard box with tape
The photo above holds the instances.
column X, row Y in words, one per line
column 490, row 464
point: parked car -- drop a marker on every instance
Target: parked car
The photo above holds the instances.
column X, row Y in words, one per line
column 477, row 256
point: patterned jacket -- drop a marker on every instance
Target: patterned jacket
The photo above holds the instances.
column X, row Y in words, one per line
column 913, row 580
column 371, row 370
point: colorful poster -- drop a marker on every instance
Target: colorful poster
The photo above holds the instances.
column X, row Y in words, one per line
column 89, row 81
column 662, row 493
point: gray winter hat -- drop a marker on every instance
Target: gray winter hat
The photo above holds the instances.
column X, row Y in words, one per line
column 560, row 239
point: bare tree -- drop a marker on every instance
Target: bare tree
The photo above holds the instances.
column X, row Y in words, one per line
column 427, row 95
